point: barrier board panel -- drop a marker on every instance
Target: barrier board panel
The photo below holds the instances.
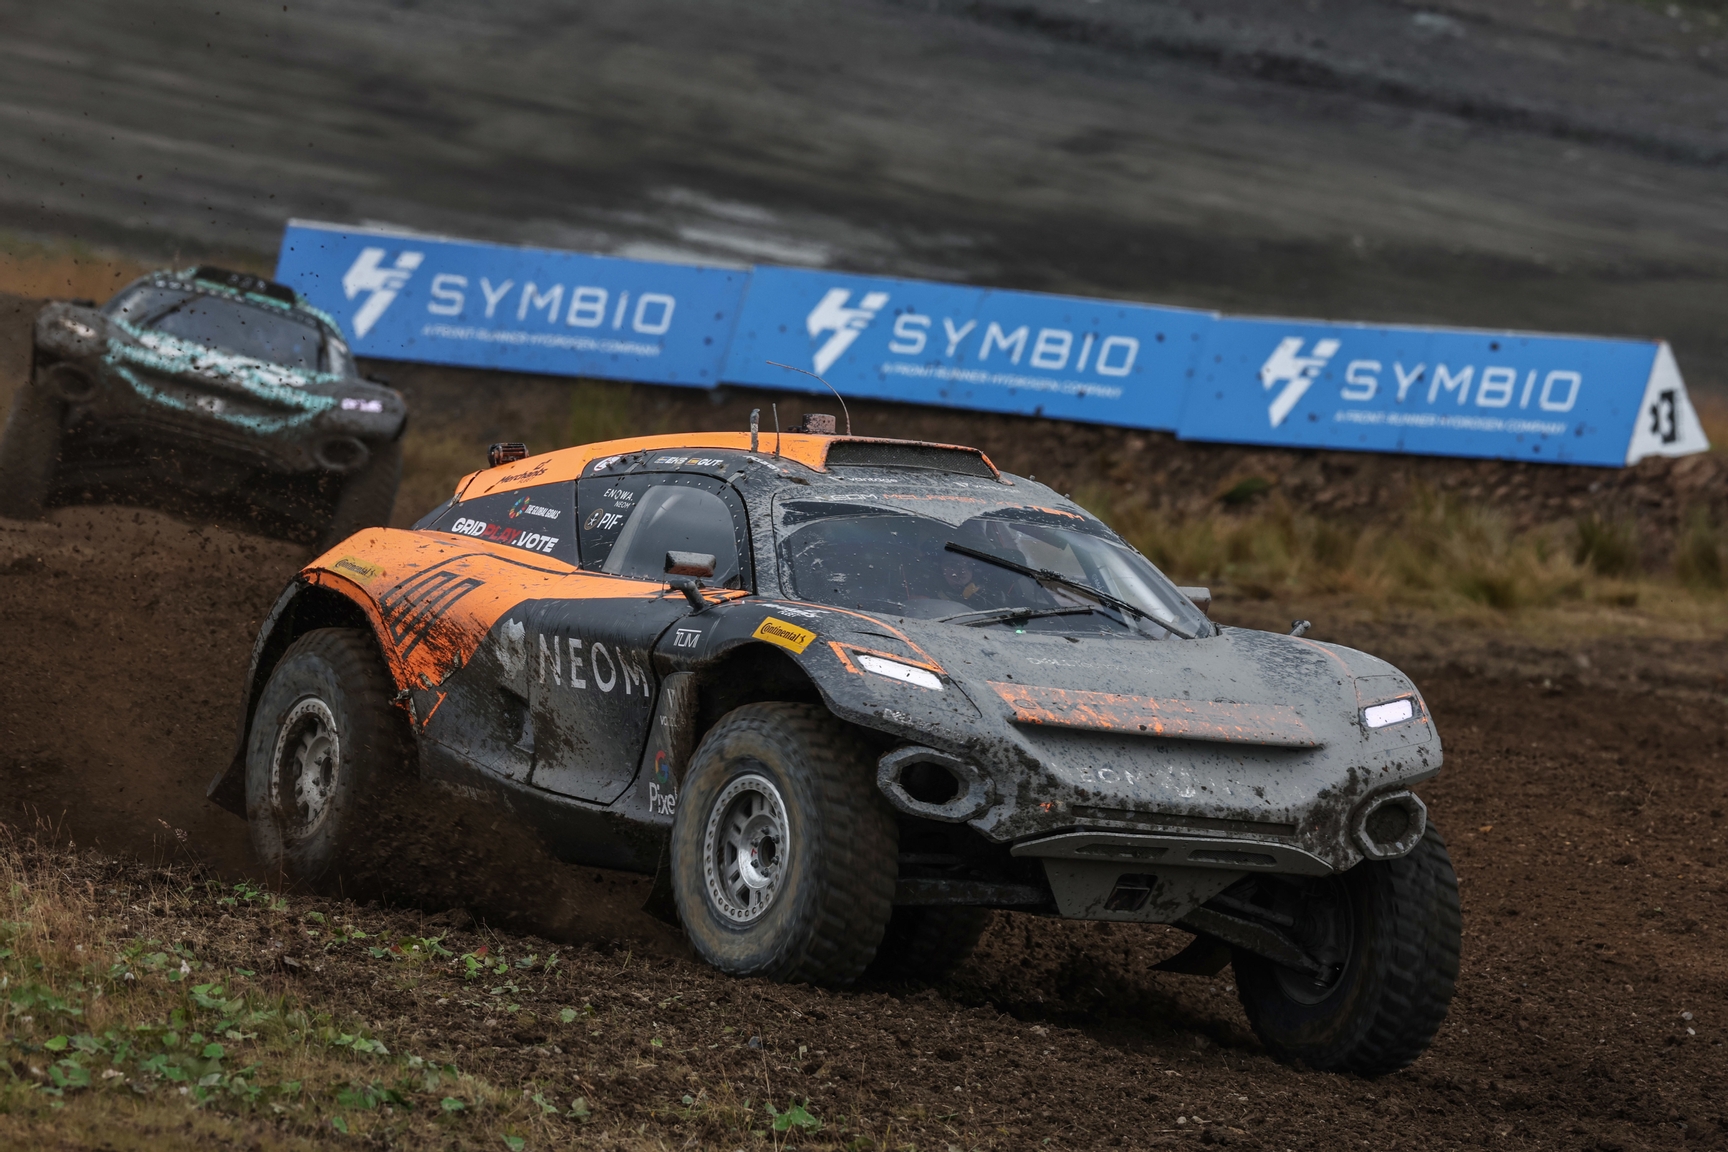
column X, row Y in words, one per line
column 1441, row 392
column 407, row 297
column 986, row 349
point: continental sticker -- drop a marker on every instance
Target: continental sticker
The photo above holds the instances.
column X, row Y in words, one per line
column 786, row 635
column 357, row 568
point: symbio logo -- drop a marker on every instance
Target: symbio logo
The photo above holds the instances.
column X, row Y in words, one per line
column 1294, row 371
column 367, row 275
column 832, row 315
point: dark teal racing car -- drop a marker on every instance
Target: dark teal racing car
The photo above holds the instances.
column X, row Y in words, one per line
column 205, row 382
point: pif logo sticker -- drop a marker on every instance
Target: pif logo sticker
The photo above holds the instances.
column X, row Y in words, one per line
column 788, row 636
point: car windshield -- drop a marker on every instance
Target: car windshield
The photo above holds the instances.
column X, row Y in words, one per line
column 879, row 560
column 257, row 333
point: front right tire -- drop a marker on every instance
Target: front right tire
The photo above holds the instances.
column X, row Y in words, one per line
column 784, row 853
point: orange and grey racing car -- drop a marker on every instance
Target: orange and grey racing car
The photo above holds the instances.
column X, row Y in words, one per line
column 848, row 695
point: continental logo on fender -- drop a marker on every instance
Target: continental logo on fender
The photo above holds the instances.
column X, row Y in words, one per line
column 785, row 635
column 357, row 568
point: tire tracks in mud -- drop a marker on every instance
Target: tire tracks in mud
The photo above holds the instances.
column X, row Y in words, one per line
column 1587, row 822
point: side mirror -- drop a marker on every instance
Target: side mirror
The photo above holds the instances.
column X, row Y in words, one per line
column 689, row 564
column 1202, row 598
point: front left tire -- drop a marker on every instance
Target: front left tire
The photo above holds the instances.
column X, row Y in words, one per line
column 324, row 745
column 784, row 853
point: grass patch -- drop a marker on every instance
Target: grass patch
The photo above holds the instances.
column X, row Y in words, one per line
column 1436, row 553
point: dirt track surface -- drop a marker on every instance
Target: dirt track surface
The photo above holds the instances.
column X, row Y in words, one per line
column 1506, row 163
column 1585, row 815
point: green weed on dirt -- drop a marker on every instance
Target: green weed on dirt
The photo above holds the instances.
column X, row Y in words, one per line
column 109, row 1027
column 133, row 1015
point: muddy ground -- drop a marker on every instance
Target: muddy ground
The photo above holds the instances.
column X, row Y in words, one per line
column 1583, row 798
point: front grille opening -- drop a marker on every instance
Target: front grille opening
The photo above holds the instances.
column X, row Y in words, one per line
column 1171, row 820
column 1232, row 857
column 929, row 783
column 1118, row 852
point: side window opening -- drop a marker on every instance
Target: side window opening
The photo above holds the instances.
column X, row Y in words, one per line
column 630, row 523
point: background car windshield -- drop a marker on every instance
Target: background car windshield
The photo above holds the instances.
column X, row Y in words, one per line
column 143, row 302
column 882, row 561
column 229, row 326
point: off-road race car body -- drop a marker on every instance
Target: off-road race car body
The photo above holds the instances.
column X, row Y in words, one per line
column 845, row 695
column 211, row 382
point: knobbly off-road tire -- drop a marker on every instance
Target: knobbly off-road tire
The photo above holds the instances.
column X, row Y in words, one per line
column 928, row 943
column 29, row 451
column 790, row 776
column 1396, row 985
column 325, row 748
column 367, row 498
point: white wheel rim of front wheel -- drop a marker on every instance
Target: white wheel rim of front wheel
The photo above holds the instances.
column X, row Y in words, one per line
column 744, row 848
column 306, row 765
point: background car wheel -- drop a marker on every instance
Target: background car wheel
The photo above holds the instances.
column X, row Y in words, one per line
column 29, row 451
column 783, row 851
column 927, row 943
column 1389, row 930
column 368, row 497
column 324, row 742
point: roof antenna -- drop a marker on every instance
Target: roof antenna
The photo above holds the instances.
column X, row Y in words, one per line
column 830, row 388
column 776, row 408
column 755, row 423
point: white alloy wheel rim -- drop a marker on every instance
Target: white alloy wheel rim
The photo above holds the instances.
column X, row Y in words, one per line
column 306, row 766
column 744, row 848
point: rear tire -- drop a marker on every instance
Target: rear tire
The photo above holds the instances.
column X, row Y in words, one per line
column 368, row 497
column 1395, row 931
column 29, row 451
column 324, row 745
column 783, row 851
column 928, row 943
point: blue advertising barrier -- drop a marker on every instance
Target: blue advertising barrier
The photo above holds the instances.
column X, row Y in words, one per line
column 1284, row 383
column 986, row 349
column 1439, row 392
column 406, row 297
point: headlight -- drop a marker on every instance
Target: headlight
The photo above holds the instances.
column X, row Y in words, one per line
column 1391, row 712
column 895, row 670
column 77, row 328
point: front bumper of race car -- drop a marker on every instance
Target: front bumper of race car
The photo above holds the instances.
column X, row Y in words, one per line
column 1237, row 754
column 116, row 388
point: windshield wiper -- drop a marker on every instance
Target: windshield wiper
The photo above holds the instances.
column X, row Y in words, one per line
column 997, row 615
column 1045, row 574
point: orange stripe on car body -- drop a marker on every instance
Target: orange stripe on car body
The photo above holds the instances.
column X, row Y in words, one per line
column 1211, row 720
column 437, row 598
